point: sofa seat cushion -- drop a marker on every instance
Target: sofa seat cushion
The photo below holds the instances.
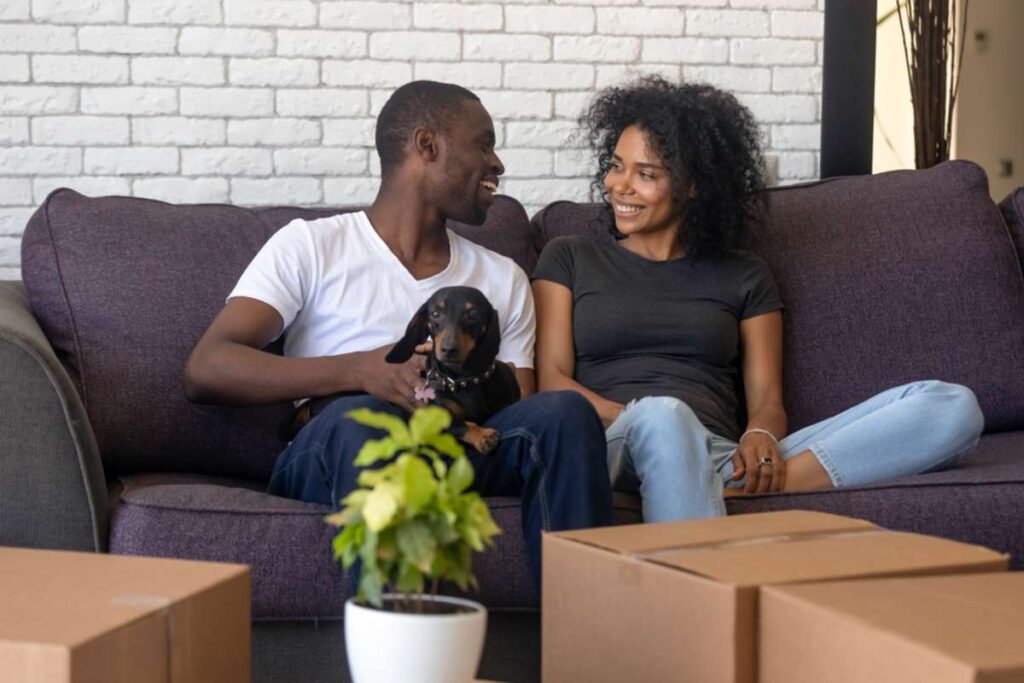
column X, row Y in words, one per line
column 285, row 541
column 979, row 501
column 124, row 287
column 287, row 544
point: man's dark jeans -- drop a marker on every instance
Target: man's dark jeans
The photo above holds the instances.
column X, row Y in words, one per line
column 552, row 455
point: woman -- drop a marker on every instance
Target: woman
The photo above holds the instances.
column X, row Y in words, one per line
column 658, row 324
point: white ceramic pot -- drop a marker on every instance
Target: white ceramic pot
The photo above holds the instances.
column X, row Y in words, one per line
column 391, row 647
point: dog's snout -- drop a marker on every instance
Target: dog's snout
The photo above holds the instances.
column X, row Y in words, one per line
column 450, row 351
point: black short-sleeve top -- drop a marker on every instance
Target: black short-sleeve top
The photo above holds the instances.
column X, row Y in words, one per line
column 660, row 328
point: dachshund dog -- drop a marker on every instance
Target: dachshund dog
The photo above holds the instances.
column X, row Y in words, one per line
column 462, row 374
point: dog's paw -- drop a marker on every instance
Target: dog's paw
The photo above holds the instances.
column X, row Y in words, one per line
column 489, row 440
column 483, row 439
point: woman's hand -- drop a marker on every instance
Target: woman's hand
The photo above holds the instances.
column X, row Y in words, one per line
column 759, row 459
column 757, row 456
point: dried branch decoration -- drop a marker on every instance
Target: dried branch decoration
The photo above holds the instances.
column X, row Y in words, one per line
column 933, row 48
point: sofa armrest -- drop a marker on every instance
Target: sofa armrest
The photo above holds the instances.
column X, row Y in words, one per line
column 52, row 489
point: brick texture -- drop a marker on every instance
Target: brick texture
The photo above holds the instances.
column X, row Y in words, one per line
column 261, row 102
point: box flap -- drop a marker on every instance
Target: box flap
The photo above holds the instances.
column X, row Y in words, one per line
column 648, row 538
column 977, row 619
column 830, row 556
column 67, row 598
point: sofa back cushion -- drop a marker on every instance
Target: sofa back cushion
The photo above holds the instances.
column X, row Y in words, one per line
column 563, row 218
column 125, row 287
column 1012, row 207
column 887, row 279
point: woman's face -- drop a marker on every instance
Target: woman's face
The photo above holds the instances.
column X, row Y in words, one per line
column 639, row 187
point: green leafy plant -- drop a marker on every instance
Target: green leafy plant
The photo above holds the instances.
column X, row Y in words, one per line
column 413, row 519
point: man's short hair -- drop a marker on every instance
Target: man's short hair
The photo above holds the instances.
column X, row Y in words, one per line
column 419, row 103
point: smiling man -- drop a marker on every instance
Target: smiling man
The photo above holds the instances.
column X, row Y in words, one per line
column 341, row 291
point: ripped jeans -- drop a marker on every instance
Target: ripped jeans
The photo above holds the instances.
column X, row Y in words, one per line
column 658, row 448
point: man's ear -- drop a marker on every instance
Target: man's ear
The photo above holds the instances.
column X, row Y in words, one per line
column 426, row 142
column 415, row 334
column 486, row 349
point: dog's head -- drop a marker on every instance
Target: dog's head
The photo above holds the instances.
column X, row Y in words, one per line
column 464, row 327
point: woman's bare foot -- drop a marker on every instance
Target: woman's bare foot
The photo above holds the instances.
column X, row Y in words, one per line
column 803, row 473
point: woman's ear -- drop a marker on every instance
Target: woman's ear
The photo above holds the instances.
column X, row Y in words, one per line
column 415, row 334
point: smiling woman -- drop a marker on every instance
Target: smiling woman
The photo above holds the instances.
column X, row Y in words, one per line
column 698, row 142
column 675, row 336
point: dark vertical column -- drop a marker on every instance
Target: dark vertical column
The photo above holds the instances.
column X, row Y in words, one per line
column 848, row 87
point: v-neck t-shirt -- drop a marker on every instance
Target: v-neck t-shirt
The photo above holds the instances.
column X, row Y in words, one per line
column 660, row 328
column 340, row 289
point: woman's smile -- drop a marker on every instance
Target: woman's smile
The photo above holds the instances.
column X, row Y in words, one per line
column 624, row 210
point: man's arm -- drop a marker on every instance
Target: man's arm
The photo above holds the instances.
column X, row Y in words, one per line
column 527, row 381
column 229, row 365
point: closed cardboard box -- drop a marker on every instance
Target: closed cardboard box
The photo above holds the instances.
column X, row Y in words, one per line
column 83, row 617
column 948, row 629
column 679, row 601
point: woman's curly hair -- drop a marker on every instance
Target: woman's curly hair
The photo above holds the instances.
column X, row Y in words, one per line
column 708, row 141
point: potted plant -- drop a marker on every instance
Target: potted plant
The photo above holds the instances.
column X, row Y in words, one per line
column 412, row 524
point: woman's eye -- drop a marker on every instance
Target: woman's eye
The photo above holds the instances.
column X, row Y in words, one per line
column 647, row 176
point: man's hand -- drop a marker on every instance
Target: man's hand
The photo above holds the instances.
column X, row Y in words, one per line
column 749, row 460
column 394, row 382
column 609, row 412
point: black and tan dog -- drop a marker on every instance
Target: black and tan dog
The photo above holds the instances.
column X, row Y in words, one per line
column 463, row 374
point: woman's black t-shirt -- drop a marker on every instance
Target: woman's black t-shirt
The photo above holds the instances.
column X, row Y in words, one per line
column 660, row 328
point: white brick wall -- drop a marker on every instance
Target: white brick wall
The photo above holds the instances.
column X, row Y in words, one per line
column 261, row 102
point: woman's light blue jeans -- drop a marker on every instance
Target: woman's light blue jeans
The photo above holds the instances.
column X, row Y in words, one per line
column 658, row 448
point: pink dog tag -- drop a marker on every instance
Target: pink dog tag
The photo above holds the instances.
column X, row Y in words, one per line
column 425, row 394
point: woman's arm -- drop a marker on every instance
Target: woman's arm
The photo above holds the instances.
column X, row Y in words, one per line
column 556, row 352
column 761, row 343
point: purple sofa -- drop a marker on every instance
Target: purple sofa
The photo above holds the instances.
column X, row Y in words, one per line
column 887, row 279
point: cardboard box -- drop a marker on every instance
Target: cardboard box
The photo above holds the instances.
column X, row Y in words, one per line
column 678, row 601
column 68, row 616
column 949, row 629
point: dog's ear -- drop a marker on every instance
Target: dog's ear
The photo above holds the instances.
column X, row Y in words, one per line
column 415, row 334
column 486, row 349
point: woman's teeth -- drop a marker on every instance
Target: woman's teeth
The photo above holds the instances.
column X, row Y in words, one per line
column 623, row 208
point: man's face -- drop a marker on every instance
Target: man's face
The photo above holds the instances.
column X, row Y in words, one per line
column 469, row 169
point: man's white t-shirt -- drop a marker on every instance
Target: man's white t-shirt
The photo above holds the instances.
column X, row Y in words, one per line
column 340, row 289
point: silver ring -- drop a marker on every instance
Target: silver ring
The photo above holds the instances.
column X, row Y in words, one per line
column 764, row 461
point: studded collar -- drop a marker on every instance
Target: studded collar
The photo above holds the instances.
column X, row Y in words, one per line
column 445, row 382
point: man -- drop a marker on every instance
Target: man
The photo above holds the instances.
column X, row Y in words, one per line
column 342, row 290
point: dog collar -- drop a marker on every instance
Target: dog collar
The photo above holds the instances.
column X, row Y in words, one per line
column 447, row 383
